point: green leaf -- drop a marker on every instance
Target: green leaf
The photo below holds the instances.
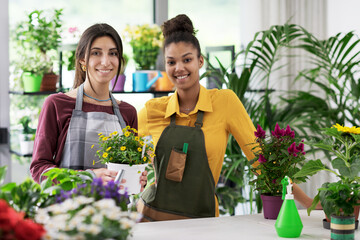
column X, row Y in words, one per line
column 313, row 204
column 67, row 186
column 310, row 168
column 339, row 164
column 2, row 174
column 7, row 187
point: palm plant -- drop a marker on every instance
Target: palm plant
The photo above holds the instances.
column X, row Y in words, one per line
column 334, row 68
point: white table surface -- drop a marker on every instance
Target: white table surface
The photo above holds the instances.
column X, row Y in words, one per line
column 235, row 227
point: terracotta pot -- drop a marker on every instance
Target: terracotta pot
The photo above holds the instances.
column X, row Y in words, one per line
column 49, row 82
column 271, row 206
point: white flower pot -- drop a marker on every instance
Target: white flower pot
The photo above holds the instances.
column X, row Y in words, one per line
column 132, row 175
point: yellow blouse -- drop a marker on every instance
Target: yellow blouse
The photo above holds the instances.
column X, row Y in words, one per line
column 223, row 114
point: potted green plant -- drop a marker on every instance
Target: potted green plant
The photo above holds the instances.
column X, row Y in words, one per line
column 26, row 136
column 340, row 198
column 33, row 69
column 43, row 35
column 145, row 41
column 278, row 155
column 125, row 151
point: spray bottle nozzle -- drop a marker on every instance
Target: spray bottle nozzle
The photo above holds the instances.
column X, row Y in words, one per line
column 287, row 188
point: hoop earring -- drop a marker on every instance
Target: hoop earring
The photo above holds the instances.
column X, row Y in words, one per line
column 83, row 67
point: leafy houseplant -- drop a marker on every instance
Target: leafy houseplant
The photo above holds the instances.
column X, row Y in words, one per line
column 145, row 41
column 27, row 136
column 338, row 198
column 41, row 34
column 278, row 155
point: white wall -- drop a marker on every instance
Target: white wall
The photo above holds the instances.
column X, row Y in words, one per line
column 343, row 16
column 4, row 82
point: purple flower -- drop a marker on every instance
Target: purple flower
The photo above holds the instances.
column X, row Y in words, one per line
column 278, row 132
column 274, row 181
column 262, row 159
column 259, row 133
column 289, row 132
column 293, row 150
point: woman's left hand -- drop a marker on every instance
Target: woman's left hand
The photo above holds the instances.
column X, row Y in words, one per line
column 143, row 180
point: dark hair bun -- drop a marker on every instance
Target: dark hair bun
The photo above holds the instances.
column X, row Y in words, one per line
column 180, row 23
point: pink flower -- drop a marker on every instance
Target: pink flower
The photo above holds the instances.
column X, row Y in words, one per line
column 262, row 159
column 278, row 132
column 73, row 29
column 259, row 133
column 288, row 132
column 293, row 150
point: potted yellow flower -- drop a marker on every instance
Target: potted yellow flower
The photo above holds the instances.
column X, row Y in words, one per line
column 126, row 151
column 145, row 41
column 340, row 200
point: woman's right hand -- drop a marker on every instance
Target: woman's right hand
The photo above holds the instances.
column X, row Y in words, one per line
column 107, row 175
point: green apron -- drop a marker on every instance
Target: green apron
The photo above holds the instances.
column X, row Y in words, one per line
column 185, row 185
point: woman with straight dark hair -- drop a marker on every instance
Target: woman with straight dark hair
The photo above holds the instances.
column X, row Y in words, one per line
column 70, row 122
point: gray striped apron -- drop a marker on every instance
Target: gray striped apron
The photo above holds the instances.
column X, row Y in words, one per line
column 83, row 132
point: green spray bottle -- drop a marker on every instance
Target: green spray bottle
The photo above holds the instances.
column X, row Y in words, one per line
column 288, row 223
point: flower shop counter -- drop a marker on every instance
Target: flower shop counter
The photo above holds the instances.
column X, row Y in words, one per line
column 235, row 227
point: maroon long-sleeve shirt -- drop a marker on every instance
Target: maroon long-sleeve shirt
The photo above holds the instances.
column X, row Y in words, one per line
column 53, row 125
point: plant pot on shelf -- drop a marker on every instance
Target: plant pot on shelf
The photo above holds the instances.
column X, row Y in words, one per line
column 49, row 82
column 342, row 227
column 271, row 206
column 132, row 175
column 119, row 87
column 26, row 143
column 31, row 82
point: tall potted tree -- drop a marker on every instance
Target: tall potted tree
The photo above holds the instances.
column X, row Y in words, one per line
column 42, row 34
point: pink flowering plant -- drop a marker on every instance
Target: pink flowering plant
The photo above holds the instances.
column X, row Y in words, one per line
column 277, row 156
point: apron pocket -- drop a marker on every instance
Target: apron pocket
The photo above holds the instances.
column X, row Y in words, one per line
column 176, row 165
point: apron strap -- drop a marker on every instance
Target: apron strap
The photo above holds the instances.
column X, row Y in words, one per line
column 117, row 111
column 199, row 119
column 79, row 97
column 172, row 119
column 198, row 122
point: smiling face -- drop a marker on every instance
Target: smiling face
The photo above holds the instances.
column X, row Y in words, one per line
column 182, row 65
column 103, row 60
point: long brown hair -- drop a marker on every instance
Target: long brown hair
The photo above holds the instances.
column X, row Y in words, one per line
column 83, row 49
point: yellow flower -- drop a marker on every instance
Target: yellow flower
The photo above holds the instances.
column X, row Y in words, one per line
column 93, row 162
column 123, row 148
column 127, row 134
column 105, row 155
column 92, row 146
column 99, row 134
column 108, row 149
column 139, row 149
column 141, row 143
column 137, row 138
column 127, row 127
column 105, row 138
column 111, row 158
column 115, row 132
column 353, row 130
column 144, row 158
